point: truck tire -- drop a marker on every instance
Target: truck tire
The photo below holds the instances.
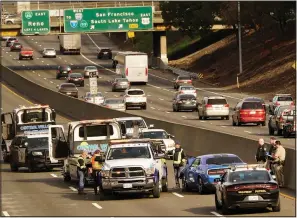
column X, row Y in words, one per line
column 286, row 133
column 67, row 178
column 20, row 58
column 144, row 107
column 156, row 191
column 13, row 167
column 31, row 58
column 164, row 185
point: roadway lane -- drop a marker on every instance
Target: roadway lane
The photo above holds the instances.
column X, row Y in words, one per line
column 45, row 193
column 159, row 91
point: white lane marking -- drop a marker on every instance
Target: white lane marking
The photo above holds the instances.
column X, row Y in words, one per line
column 148, row 95
column 157, row 87
column 51, row 82
column 167, row 112
column 178, row 195
column 71, row 64
column 223, row 126
column 73, row 189
column 36, row 42
column 33, row 71
column 248, row 132
column 5, row 213
column 42, row 61
column 60, row 57
column 93, row 41
column 100, row 77
column 216, row 214
column 44, row 78
column 54, row 175
column 7, row 52
column 10, row 55
column 32, row 39
column 105, row 92
column 23, row 65
column 183, row 116
column 201, row 121
column 37, row 58
column 47, row 64
column 161, row 99
column 65, row 60
column 115, row 96
column 38, row 74
column 153, row 108
column 39, row 45
column 19, row 62
column 97, row 205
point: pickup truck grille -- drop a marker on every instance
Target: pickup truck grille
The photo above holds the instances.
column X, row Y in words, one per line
column 128, row 172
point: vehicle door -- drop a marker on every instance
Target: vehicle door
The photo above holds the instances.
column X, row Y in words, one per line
column 7, row 124
column 14, row 150
column 58, row 146
column 193, row 171
column 219, row 189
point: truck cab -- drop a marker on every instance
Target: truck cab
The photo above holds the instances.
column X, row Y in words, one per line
column 25, row 120
column 86, row 135
column 132, row 165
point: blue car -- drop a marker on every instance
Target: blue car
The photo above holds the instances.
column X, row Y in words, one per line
column 203, row 172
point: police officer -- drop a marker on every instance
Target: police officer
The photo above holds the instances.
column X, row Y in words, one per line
column 261, row 152
column 271, row 152
column 96, row 167
column 278, row 163
column 81, row 170
column 178, row 162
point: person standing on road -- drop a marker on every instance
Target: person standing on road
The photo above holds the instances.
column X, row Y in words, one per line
column 178, row 162
column 135, row 133
column 81, row 170
column 271, row 152
column 96, row 168
column 261, row 152
column 278, row 163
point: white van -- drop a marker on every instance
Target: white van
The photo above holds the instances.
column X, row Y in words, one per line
column 132, row 65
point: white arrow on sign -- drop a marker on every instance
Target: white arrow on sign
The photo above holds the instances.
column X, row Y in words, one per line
column 93, row 82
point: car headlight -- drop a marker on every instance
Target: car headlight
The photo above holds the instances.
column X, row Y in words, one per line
column 105, row 173
column 37, row 153
column 150, row 171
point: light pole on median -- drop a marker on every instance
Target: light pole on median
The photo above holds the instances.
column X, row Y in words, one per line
column 239, row 45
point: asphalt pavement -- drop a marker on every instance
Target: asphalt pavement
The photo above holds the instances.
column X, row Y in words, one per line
column 45, row 193
column 159, row 89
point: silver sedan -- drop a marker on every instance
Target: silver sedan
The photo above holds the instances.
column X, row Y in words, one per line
column 115, row 103
column 49, row 52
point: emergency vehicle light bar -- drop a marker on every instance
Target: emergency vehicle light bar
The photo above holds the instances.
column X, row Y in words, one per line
column 36, row 106
column 102, row 121
column 248, row 166
column 122, row 141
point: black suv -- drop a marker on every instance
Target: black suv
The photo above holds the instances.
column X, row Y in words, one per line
column 63, row 71
column 104, row 52
column 32, row 152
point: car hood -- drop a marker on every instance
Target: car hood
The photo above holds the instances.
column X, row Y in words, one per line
column 143, row 162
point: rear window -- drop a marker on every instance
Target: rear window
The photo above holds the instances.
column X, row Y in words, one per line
column 68, row 86
column 249, row 175
column 252, row 105
column 75, row 75
column 65, row 68
column 187, row 97
column 135, row 92
column 285, row 98
column 50, row 49
column 187, row 88
column 223, row 160
column 184, row 78
column 217, row 101
column 114, row 101
column 91, row 68
column 16, row 43
column 130, row 123
column 121, row 80
column 95, row 131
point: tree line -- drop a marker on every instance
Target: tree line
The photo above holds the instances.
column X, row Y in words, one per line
column 193, row 17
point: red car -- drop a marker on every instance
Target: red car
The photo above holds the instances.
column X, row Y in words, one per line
column 249, row 112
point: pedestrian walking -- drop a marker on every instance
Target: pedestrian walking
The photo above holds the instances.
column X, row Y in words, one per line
column 261, row 156
column 178, row 162
column 96, row 168
column 81, row 171
column 279, row 163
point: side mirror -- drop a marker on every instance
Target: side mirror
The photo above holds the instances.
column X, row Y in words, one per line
column 171, row 136
column 151, row 126
column 100, row 159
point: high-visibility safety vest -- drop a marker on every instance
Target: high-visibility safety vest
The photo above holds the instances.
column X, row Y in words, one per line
column 84, row 164
column 95, row 164
column 179, row 160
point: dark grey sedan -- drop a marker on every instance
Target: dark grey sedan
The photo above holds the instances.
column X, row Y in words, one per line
column 184, row 102
column 120, row 84
column 68, row 89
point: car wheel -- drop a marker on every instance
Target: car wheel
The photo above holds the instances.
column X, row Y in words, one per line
column 31, row 58
column 20, row 58
column 67, row 178
column 218, row 206
column 225, row 210
column 233, row 123
column 156, row 190
column 144, row 107
column 164, row 185
column 102, row 194
column 31, row 167
column 263, row 123
column 201, row 188
column 82, row 85
column 286, row 133
column 13, row 167
column 277, row 208
column 227, row 117
column 238, row 123
column 185, row 187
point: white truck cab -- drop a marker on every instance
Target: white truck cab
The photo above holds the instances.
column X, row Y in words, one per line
column 86, row 135
column 132, row 165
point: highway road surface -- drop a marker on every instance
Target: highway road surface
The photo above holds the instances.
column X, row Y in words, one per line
column 46, row 194
column 159, row 89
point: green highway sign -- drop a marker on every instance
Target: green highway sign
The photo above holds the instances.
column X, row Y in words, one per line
column 36, row 22
column 108, row 19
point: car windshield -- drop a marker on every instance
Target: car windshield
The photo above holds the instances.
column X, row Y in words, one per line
column 250, row 175
column 285, row 98
column 184, row 78
column 114, row 101
column 187, row 97
column 215, row 101
column 129, row 123
column 223, row 160
column 128, row 152
column 155, row 135
column 135, row 92
column 49, row 49
column 37, row 142
column 187, row 88
column 16, row 43
column 252, row 105
column 33, row 116
column 91, row 68
column 76, row 75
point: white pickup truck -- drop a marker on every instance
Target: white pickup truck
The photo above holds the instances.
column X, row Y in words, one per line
column 135, row 98
column 132, row 165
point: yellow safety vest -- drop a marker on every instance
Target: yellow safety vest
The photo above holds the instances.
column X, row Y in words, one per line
column 95, row 164
column 84, row 164
column 179, row 160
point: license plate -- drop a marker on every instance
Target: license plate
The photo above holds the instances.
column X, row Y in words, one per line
column 185, row 82
column 127, row 185
column 188, row 102
column 75, row 79
column 64, row 71
column 253, row 198
column 253, row 112
column 68, row 93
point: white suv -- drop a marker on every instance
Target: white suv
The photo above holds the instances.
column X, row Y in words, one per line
column 135, row 98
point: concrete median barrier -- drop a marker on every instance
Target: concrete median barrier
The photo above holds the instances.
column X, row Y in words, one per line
column 195, row 141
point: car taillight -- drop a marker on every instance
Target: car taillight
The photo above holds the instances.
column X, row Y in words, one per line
column 189, row 81
column 281, row 119
column 146, row 71
column 262, row 111
column 208, row 105
column 226, row 105
column 195, row 91
column 292, row 103
column 233, row 189
column 70, row 71
column 243, row 112
column 271, row 187
column 181, row 92
column 277, row 103
column 127, row 72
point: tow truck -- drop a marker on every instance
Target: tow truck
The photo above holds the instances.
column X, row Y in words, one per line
column 289, row 127
column 24, row 120
column 85, row 135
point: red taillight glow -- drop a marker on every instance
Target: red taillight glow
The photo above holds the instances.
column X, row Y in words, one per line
column 208, row 105
column 277, row 103
column 146, row 71
column 233, row 189
column 189, row 81
column 242, row 112
column 226, row 105
column 249, row 187
column 292, row 103
column 127, row 72
column 281, row 119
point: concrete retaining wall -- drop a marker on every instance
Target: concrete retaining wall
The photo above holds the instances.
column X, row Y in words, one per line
column 194, row 140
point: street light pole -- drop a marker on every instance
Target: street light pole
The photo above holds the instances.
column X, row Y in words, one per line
column 239, row 45
column 38, row 4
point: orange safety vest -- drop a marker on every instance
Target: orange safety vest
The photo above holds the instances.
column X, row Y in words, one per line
column 95, row 164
